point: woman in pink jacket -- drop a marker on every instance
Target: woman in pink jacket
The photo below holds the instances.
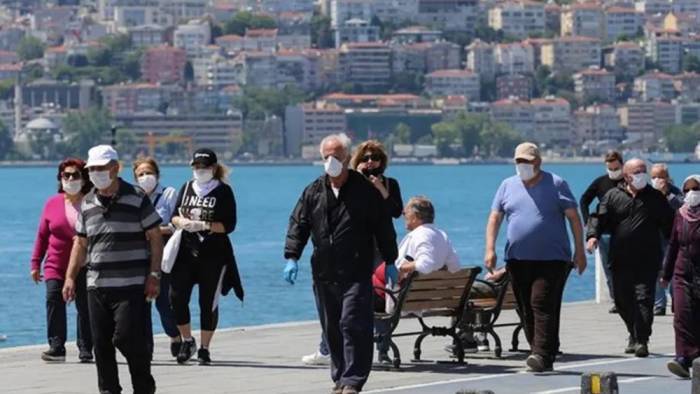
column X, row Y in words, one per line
column 52, row 247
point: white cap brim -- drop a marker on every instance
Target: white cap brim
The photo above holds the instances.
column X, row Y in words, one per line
column 97, row 163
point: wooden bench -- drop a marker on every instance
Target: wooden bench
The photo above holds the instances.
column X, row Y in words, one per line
column 439, row 293
column 504, row 300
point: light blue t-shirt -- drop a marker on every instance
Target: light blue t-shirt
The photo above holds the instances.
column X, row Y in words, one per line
column 536, row 221
column 164, row 201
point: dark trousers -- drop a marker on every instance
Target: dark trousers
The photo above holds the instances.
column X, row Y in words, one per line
column 634, row 297
column 686, row 317
column 117, row 318
column 347, row 321
column 167, row 316
column 56, row 321
column 187, row 272
column 538, row 287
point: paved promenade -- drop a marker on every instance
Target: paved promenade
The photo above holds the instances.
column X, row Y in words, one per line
column 266, row 360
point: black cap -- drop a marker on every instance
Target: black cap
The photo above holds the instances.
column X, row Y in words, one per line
column 205, row 157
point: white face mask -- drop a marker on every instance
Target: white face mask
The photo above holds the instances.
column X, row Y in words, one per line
column 147, row 182
column 525, row 171
column 639, row 181
column 101, row 179
column 692, row 198
column 71, row 188
column 658, row 183
column 203, row 175
column 333, row 167
column 615, row 175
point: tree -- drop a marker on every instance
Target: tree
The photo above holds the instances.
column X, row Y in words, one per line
column 691, row 63
column 131, row 66
column 247, row 20
column 6, row 143
column 83, row 130
column 402, row 133
column 216, row 31
column 77, row 60
column 257, row 103
column 30, row 48
column 498, row 140
column 188, row 72
column 680, row 138
column 445, row 134
column 126, row 142
column 7, row 88
column 407, row 82
column 321, row 34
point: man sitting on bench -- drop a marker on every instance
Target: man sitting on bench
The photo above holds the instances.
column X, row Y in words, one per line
column 424, row 249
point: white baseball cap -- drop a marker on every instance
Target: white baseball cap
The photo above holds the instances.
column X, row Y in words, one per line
column 101, row 155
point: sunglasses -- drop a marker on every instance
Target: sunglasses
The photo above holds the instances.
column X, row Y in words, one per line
column 67, row 175
column 694, row 188
column 372, row 156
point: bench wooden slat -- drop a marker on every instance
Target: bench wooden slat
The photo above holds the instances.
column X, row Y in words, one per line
column 438, row 284
column 430, row 294
column 410, row 306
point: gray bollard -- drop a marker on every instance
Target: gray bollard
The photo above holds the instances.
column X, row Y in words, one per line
column 599, row 383
column 696, row 376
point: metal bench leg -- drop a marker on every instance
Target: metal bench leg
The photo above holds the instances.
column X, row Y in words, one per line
column 396, row 354
column 514, row 340
column 498, row 348
column 459, row 348
column 417, row 345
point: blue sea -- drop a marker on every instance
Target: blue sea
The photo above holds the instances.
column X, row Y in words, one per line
column 265, row 195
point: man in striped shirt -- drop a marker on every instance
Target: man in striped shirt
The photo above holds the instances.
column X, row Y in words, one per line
column 117, row 234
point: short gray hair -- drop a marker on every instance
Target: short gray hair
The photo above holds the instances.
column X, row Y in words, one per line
column 342, row 138
column 423, row 208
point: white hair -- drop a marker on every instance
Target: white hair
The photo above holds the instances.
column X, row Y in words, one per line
column 342, row 138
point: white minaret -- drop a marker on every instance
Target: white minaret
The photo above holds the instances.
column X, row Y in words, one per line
column 18, row 104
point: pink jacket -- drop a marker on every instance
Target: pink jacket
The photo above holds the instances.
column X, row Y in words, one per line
column 54, row 239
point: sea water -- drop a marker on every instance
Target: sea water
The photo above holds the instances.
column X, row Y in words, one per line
column 265, row 197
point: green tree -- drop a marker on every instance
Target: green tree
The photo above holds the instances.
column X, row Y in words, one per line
column 691, row 63
column 131, row 66
column 680, row 138
column 6, row 143
column 445, row 134
column 498, row 140
column 407, row 82
column 126, row 142
column 247, row 20
column 402, row 133
column 188, row 72
column 7, row 88
column 83, row 130
column 30, row 48
column 321, row 34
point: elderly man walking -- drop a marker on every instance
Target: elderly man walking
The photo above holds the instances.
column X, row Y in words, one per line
column 637, row 216
column 538, row 254
column 343, row 214
column 117, row 230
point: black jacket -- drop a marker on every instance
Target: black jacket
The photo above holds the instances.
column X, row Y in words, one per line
column 342, row 230
column 393, row 204
column 596, row 189
column 636, row 224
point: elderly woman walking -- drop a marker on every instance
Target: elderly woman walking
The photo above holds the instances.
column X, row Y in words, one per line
column 683, row 265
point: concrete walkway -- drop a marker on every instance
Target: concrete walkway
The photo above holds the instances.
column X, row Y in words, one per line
column 266, row 360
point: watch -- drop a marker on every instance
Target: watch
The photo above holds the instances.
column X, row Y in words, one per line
column 155, row 274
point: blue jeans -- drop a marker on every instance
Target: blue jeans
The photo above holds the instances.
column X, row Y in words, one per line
column 660, row 293
column 604, row 250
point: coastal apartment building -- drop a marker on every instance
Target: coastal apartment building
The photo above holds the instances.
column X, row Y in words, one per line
column 546, row 121
column 654, row 86
column 583, row 19
column 518, row 18
column 424, row 57
column 144, row 36
column 79, row 95
column 625, row 58
column 667, row 51
column 552, row 18
column 222, row 131
column 570, row 54
column 514, row 85
column 594, row 85
column 621, row 21
column 481, row 59
column 366, row 64
column 645, row 122
column 447, row 15
column 163, row 64
column 345, row 10
column 356, row 30
column 514, row 58
column 651, row 7
column 309, row 123
column 135, row 97
column 597, row 124
column 687, row 86
column 256, row 69
column 454, row 82
column 192, row 37
column 215, row 72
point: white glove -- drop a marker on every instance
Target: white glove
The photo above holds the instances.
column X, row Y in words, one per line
column 182, row 223
column 195, row 226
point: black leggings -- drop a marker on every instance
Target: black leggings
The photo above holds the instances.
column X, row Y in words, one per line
column 187, row 272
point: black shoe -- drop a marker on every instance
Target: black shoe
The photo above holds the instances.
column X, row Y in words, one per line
column 187, row 349
column 383, row 358
column 659, row 311
column 175, row 348
column 641, row 350
column 537, row 363
column 679, row 368
column 613, row 309
column 631, row 346
column 203, row 356
column 350, row 390
column 84, row 355
column 56, row 353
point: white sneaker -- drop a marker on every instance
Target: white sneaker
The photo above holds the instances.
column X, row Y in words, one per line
column 316, row 359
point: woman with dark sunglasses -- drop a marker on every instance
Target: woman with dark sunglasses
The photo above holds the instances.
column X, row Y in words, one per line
column 683, row 266
column 52, row 247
